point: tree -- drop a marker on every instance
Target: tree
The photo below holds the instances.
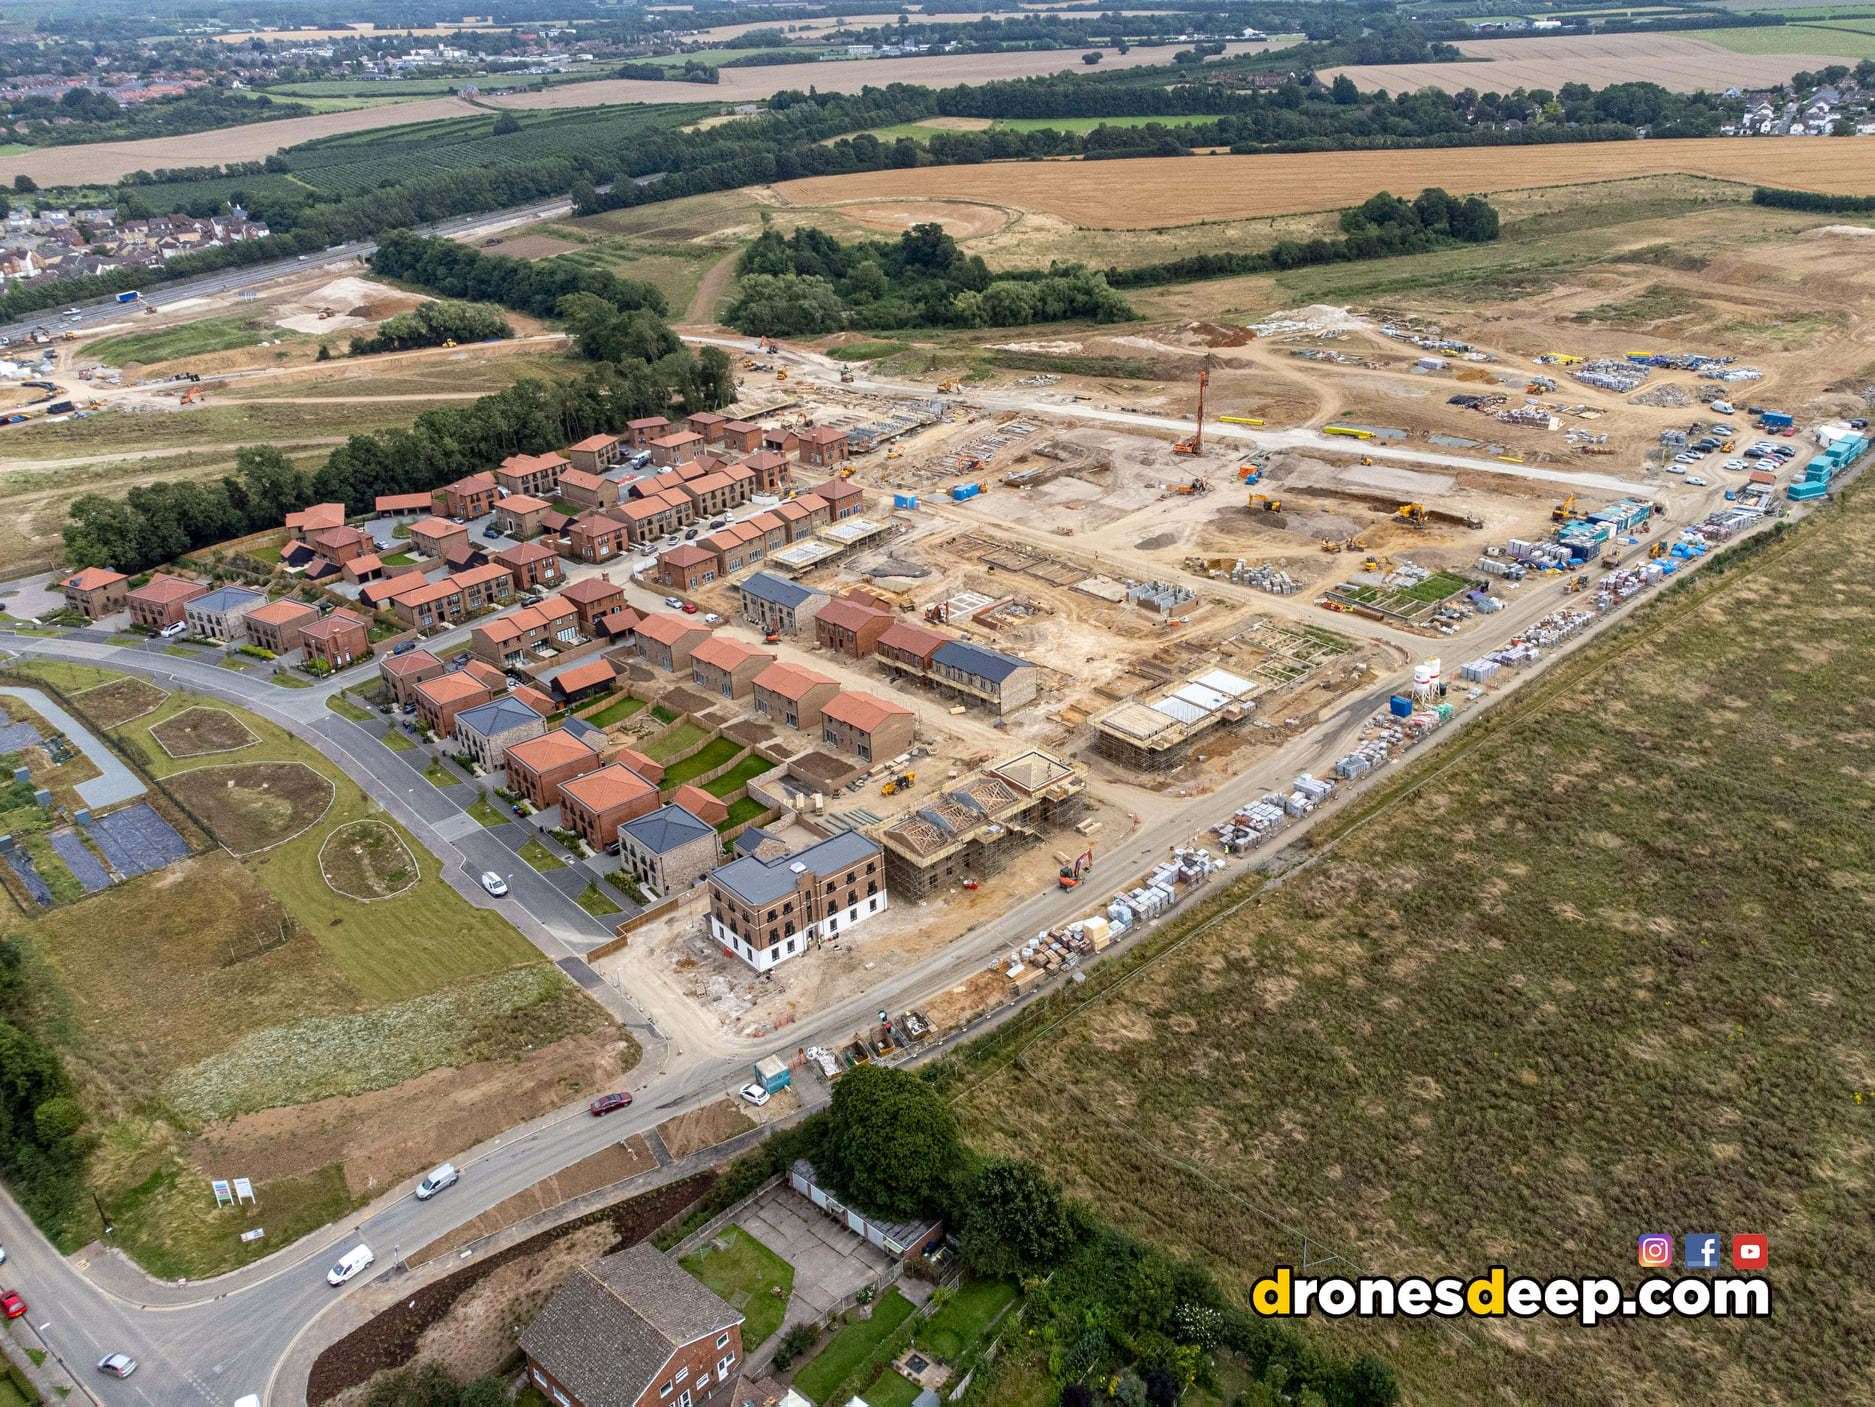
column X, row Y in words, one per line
column 506, row 125
column 1371, row 1383
column 1014, row 1222
column 891, row 1145
column 25, row 184
column 1344, row 91
column 1091, row 57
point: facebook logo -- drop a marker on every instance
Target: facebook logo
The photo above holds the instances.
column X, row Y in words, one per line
column 1700, row 1251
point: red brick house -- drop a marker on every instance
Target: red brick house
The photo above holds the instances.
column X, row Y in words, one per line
column 276, row 625
column 850, row 626
column 536, row 475
column 439, row 700
column 596, row 538
column 707, row 423
column 530, row 565
column 908, row 647
column 592, row 598
column 688, row 567
column 666, row 640
column 634, row 1330
column 647, row 519
column 314, row 519
column 402, row 673
column 340, row 639
column 506, row 640
column 597, row 804
column 518, row 515
column 823, row 447
column 484, row 587
column 433, row 537
column 773, row 531
column 742, row 436
column 341, row 544
column 787, row 693
column 539, row 767
column 639, row 433
column 587, row 490
column 470, row 496
column 667, row 450
column 872, row 728
column 770, row 470
column 741, row 482
column 159, row 602
column 726, row 667
column 96, row 591
column 844, row 499
column 711, row 494
column 596, row 453
column 424, row 605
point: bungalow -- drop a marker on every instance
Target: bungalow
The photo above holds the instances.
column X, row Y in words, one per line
column 518, row 515
column 536, row 475
column 587, row 490
column 439, row 700
column 668, row 850
column 869, row 727
column 596, row 538
column 742, row 436
column 337, row 641
column 584, row 680
column 596, row 805
column 720, row 665
column 470, row 496
column 851, row 626
column 688, row 567
column 96, row 592
column 530, row 565
column 435, row 536
column 592, row 598
column 790, row 694
column 596, row 453
column 276, row 626
column 667, row 450
column 707, row 423
column 402, row 673
column 1004, row 682
column 667, row 640
column 314, row 519
column 778, row 606
column 844, row 499
column 158, row 603
column 823, row 447
column 770, row 470
column 538, row 768
column 487, row 731
column 222, row 614
column 403, row 505
column 639, row 433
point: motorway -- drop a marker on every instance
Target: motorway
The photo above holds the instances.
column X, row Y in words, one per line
column 254, row 1330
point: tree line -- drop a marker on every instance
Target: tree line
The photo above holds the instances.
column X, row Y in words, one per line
column 811, row 282
column 433, row 325
column 1381, row 227
column 43, row 1146
column 528, row 286
column 1814, row 201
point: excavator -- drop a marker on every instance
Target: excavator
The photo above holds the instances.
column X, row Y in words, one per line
column 1195, row 443
column 1656, row 551
column 1071, row 871
column 947, row 388
column 902, row 782
column 1563, row 511
column 1269, row 503
column 1414, row 513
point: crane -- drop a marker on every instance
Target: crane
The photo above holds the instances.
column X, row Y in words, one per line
column 1195, row 445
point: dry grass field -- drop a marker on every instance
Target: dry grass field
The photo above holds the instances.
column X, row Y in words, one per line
column 1159, row 192
column 1674, row 61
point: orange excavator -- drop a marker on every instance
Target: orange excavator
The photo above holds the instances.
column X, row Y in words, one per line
column 1195, row 444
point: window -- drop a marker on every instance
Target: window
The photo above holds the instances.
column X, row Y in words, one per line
column 665, row 1391
column 875, row 907
column 680, row 1375
column 722, row 1341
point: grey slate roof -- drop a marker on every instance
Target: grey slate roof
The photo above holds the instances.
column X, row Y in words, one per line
column 608, row 1332
column 977, row 660
column 666, row 828
column 778, row 590
column 757, row 882
column 486, row 720
column 751, row 840
column 228, row 598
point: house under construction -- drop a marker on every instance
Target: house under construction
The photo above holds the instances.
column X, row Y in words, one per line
column 973, row 829
column 1158, row 736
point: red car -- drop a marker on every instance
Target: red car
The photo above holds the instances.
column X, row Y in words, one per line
column 690, row 608
column 604, row 1104
column 11, row 1304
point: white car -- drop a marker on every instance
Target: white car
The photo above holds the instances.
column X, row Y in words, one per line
column 170, row 632
column 357, row 1259
column 673, row 602
column 1676, row 468
column 494, row 883
column 712, row 619
column 756, row 1095
column 439, row 1177
column 1695, row 481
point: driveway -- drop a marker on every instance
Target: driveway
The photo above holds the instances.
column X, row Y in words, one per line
column 831, row 1264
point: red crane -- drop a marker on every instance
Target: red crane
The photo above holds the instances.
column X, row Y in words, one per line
column 1195, row 445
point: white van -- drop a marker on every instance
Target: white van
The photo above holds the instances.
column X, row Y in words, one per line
column 441, row 1176
column 357, row 1259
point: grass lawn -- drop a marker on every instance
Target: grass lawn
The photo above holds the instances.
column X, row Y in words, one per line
column 615, row 712
column 440, row 776
column 191, row 339
column 705, row 759
column 345, row 708
column 11, row 1396
column 1466, row 1018
column 398, row 559
column 893, row 1389
column 750, row 1276
column 540, row 857
column 844, row 1353
column 683, row 736
column 964, row 1318
column 742, row 811
column 397, row 740
column 663, row 714
column 596, row 903
column 740, row 775
column 485, row 813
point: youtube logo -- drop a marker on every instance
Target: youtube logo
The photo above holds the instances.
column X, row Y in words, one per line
column 1750, row 1253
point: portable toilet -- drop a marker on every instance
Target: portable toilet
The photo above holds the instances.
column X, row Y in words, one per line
column 771, row 1073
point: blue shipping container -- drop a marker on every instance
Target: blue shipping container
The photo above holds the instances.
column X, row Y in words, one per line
column 963, row 491
column 904, row 500
column 1400, row 706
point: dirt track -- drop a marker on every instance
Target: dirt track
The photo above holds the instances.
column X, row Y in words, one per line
column 1156, row 192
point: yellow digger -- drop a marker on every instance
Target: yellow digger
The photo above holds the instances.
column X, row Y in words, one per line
column 1269, row 503
column 1414, row 513
column 902, row 782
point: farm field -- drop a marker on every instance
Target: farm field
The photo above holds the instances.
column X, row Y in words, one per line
column 1679, row 62
column 1455, row 1038
column 1198, row 188
column 267, row 1017
column 187, row 340
column 1843, row 40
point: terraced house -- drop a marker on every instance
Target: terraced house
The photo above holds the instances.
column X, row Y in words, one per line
column 791, row 694
column 508, row 640
column 726, row 667
column 978, row 673
column 535, row 475
column 774, row 604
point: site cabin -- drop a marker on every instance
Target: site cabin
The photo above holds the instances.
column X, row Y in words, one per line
column 772, row 1074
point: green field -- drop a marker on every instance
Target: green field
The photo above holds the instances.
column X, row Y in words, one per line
column 1848, row 40
column 191, row 339
column 849, row 1348
column 1451, row 1039
column 755, row 1280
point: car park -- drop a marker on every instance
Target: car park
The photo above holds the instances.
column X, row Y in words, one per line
column 607, row 1103
column 117, row 1365
column 441, row 1176
column 494, row 883
column 358, row 1259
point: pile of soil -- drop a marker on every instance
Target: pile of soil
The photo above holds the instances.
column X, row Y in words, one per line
column 391, row 1339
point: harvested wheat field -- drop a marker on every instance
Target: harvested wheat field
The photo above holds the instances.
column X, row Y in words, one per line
column 1155, row 192
column 1673, row 61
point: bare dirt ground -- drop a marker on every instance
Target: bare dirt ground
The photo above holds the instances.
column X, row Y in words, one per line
column 379, row 1137
column 1156, row 191
column 1673, row 61
column 714, row 1123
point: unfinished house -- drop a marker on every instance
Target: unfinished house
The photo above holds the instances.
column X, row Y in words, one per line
column 1158, row 736
column 972, row 830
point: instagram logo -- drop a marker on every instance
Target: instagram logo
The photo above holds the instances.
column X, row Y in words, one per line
column 1656, row 1251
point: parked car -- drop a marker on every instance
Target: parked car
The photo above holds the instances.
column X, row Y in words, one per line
column 170, row 632
column 3, row 1255
column 1695, row 481
column 357, row 1259
column 673, row 602
column 117, row 1365
column 690, row 608
column 719, row 522
column 606, row 1103
column 1676, row 468
column 690, row 534
column 12, row 1305
column 494, row 883
column 756, row 1095
column 441, row 1176
column 712, row 619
